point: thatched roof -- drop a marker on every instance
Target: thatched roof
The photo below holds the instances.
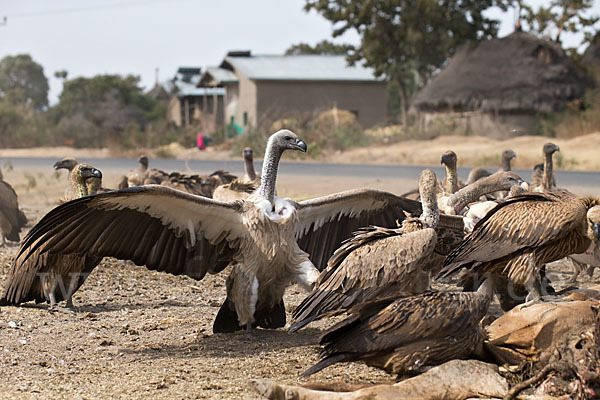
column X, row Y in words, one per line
column 518, row 73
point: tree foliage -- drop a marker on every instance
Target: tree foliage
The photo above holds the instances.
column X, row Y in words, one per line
column 22, row 81
column 323, row 47
column 559, row 16
column 401, row 37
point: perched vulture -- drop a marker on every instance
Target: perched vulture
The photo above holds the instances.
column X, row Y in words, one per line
column 521, row 234
column 12, row 218
column 250, row 175
column 145, row 176
column 377, row 263
column 67, row 163
column 451, row 182
column 479, row 173
column 239, row 189
column 543, row 178
column 407, row 335
column 43, row 276
column 176, row 232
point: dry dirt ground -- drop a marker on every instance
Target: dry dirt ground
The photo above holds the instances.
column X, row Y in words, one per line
column 141, row 334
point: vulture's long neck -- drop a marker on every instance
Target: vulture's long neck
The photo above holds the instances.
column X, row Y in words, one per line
column 505, row 164
column 249, row 165
column 473, row 192
column 269, row 172
column 81, row 188
column 451, row 179
column 548, row 173
column 431, row 212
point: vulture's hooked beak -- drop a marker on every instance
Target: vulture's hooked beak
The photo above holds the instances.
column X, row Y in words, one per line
column 524, row 185
column 247, row 152
column 301, row 145
column 58, row 165
column 596, row 229
column 445, row 159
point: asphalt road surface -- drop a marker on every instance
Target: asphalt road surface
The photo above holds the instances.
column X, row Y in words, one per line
column 322, row 170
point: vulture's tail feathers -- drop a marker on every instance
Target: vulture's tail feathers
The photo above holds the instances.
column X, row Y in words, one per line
column 270, row 317
column 227, row 319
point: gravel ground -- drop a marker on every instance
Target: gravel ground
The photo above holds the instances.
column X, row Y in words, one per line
column 142, row 334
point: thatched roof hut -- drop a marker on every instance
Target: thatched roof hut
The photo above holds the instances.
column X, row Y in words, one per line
column 519, row 73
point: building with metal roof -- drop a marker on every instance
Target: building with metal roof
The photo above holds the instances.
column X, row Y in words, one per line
column 260, row 89
column 190, row 104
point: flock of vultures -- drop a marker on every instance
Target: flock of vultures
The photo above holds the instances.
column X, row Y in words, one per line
column 367, row 255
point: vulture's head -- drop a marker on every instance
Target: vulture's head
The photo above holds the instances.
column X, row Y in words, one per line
column 144, row 161
column 66, row 163
column 508, row 155
column 508, row 179
column 449, row 159
column 286, row 140
column 247, row 152
column 85, row 171
column 593, row 218
column 550, row 148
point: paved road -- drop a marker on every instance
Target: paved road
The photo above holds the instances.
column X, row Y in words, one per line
column 411, row 172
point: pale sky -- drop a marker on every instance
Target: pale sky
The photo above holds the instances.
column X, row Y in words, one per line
column 89, row 37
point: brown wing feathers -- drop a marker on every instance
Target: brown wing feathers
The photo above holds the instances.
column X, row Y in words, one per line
column 127, row 234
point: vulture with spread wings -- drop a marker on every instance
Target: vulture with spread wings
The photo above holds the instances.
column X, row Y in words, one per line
column 267, row 240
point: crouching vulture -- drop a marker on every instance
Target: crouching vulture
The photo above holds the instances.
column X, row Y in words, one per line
column 517, row 237
column 180, row 233
column 44, row 276
column 406, row 335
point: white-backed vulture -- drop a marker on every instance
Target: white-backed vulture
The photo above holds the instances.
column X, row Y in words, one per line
column 145, row 176
column 547, row 181
column 479, row 172
column 407, row 335
column 42, row 276
column 377, row 263
column 176, row 232
column 12, row 218
column 521, row 234
column 123, row 182
column 250, row 175
column 451, row 183
column 67, row 163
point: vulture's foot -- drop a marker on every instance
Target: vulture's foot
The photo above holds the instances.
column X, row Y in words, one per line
column 530, row 301
column 55, row 308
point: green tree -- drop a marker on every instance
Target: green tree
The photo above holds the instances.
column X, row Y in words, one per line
column 95, row 111
column 22, row 80
column 404, row 40
column 323, row 47
column 560, row 16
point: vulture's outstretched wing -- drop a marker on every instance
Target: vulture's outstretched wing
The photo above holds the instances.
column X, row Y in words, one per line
column 522, row 222
column 325, row 222
column 162, row 228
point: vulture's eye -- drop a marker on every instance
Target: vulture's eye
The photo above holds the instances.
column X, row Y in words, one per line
column 288, row 138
